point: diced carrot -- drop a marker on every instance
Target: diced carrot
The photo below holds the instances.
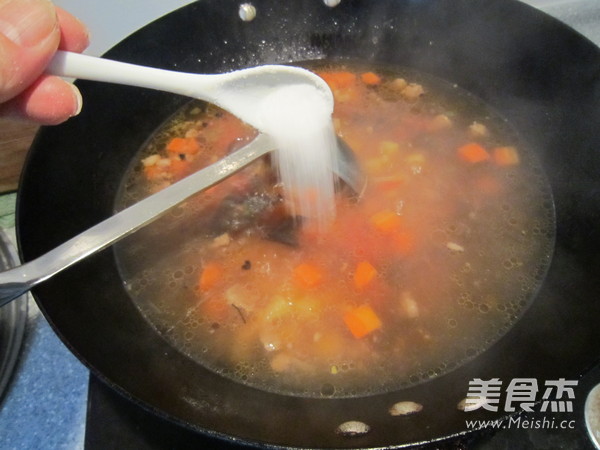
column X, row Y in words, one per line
column 361, row 321
column 404, row 242
column 210, row 276
column 386, row 221
column 506, row 156
column 184, row 146
column 307, row 275
column 337, row 80
column 364, row 274
column 370, row 78
column 473, row 153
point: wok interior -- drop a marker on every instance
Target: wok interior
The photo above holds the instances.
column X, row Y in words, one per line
column 539, row 75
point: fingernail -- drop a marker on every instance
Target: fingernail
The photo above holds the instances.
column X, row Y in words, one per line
column 78, row 98
column 27, row 22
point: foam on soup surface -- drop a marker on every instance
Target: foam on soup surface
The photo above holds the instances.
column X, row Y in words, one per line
column 435, row 261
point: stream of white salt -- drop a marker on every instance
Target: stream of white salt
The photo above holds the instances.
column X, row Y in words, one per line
column 298, row 118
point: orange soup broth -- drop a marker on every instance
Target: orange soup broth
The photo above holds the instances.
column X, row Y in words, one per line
column 424, row 269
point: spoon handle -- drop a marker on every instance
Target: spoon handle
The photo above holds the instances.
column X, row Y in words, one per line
column 18, row 280
column 76, row 65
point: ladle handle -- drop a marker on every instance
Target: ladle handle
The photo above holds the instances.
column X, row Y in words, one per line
column 76, row 65
column 20, row 279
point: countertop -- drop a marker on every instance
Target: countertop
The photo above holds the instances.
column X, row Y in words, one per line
column 45, row 405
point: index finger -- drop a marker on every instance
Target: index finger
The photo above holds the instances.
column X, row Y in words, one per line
column 74, row 35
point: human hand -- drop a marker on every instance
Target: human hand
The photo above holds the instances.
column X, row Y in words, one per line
column 30, row 33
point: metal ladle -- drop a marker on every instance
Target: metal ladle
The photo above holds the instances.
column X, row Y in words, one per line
column 237, row 92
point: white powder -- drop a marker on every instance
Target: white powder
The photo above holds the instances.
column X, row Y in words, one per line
column 298, row 118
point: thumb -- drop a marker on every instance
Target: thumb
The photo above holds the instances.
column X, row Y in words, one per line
column 29, row 36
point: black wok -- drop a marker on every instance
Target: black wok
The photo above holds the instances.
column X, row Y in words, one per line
column 536, row 72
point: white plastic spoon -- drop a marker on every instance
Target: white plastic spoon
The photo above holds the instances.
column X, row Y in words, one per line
column 239, row 92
